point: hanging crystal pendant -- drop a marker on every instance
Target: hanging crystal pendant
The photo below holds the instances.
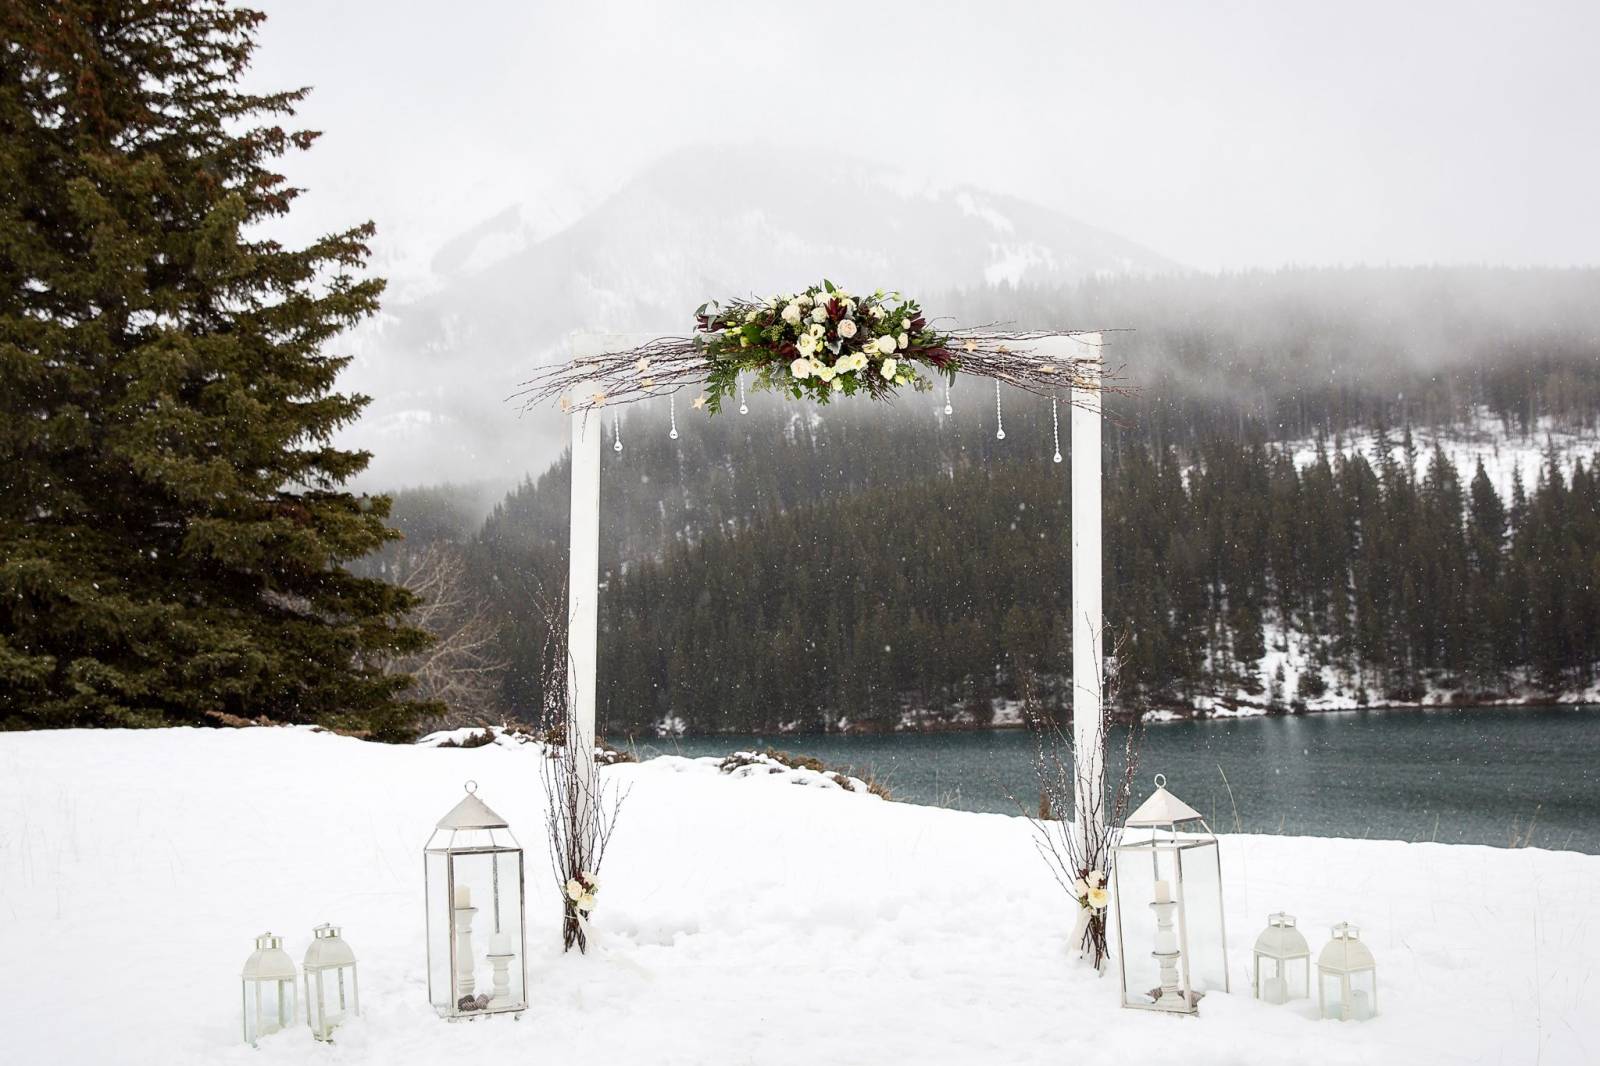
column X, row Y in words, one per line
column 947, row 408
column 999, row 421
column 744, row 408
column 1055, row 427
column 616, row 432
column 672, row 403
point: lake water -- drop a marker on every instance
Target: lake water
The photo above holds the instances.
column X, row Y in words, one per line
column 1480, row 775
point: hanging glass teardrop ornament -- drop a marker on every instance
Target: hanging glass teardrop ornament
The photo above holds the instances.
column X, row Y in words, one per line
column 616, row 431
column 744, row 408
column 1055, row 427
column 947, row 408
column 672, row 406
column 999, row 421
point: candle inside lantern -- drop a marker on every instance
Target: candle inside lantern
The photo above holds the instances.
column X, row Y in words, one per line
column 463, row 897
column 500, row 944
column 1163, row 892
column 1360, row 1006
column 1275, row 990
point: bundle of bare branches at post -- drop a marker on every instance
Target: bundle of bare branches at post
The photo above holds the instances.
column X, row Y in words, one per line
column 581, row 813
column 1078, row 852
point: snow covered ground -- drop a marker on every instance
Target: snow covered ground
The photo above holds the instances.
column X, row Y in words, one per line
column 743, row 920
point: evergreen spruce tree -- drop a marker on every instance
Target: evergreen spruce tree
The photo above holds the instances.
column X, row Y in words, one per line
column 173, row 527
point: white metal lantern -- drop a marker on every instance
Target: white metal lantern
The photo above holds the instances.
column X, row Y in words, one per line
column 1282, row 961
column 1347, row 977
column 1167, row 884
column 331, row 991
column 472, row 867
column 267, row 989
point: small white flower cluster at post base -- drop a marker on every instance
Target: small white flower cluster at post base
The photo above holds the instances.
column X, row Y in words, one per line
column 581, row 891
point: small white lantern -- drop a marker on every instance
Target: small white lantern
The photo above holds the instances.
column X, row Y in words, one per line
column 1347, row 975
column 1282, row 961
column 331, row 991
column 1167, row 884
column 267, row 989
column 473, row 873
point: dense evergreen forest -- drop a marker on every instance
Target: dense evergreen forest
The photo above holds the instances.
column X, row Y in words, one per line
column 802, row 566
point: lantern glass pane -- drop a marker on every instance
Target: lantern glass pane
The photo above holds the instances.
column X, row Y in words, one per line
column 336, row 1000
column 1138, row 868
column 436, row 864
column 1202, row 914
column 277, row 1007
column 490, row 882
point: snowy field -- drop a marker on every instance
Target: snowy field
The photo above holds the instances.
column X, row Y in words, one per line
column 742, row 920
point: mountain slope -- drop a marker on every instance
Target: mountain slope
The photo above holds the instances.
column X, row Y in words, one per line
column 700, row 224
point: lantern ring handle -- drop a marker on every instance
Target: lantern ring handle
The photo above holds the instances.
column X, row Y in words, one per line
column 1161, row 780
column 471, row 787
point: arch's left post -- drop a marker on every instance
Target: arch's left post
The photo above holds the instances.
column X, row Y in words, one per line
column 583, row 585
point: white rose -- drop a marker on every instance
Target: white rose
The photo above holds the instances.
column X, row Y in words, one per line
column 817, row 329
column 1096, row 878
column 803, row 300
column 838, row 385
column 887, row 370
column 585, row 903
column 574, row 889
column 800, row 368
column 847, row 328
column 877, row 313
column 791, row 314
column 1098, row 898
column 904, row 340
column 1080, row 888
column 807, row 344
column 823, row 371
column 819, row 314
column 885, row 345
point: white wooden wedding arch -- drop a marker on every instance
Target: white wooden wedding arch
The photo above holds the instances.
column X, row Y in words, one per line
column 1080, row 351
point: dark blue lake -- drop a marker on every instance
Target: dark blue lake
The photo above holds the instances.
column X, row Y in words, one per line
column 1481, row 775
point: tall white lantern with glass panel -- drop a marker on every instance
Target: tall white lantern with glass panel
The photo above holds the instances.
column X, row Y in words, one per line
column 1282, row 961
column 1347, row 977
column 267, row 989
column 331, row 990
column 1167, row 885
column 474, row 878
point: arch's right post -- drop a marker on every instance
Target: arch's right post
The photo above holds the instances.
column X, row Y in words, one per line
column 1088, row 676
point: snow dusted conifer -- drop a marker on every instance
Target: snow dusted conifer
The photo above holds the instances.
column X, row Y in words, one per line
column 172, row 524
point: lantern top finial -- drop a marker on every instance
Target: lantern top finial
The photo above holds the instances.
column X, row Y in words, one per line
column 328, row 949
column 268, row 962
column 472, row 813
column 1162, row 808
column 1345, row 953
column 1281, row 940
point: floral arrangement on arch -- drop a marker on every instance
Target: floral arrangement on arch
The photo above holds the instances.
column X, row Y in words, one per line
column 820, row 343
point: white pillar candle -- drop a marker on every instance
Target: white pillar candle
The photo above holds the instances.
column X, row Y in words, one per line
column 500, row 944
column 1163, row 892
column 1275, row 990
column 463, row 896
column 1360, row 1006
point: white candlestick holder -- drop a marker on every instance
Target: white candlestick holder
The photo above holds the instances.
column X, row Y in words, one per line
column 466, row 985
column 502, row 979
column 1166, row 955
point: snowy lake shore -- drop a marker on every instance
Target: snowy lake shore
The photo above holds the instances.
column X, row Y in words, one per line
column 743, row 920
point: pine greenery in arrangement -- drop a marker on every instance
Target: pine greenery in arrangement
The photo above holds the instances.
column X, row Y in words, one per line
column 819, row 343
column 173, row 527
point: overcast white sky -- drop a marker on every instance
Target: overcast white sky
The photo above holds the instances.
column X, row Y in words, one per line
column 1221, row 134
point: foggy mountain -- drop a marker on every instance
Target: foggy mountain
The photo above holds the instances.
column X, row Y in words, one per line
column 699, row 224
